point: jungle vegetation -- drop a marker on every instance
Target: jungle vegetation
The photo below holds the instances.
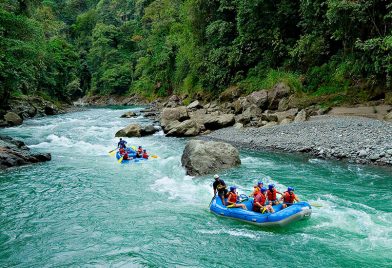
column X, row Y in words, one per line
column 64, row 49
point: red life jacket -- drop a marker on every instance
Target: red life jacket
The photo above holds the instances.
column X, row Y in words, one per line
column 125, row 157
column 140, row 150
column 145, row 155
column 122, row 151
column 288, row 198
column 259, row 198
column 232, row 197
column 271, row 194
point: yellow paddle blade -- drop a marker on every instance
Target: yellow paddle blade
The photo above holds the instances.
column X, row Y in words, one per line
column 112, row 153
column 121, row 159
column 133, row 148
column 154, row 156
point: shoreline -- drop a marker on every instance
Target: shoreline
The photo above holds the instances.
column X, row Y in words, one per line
column 354, row 139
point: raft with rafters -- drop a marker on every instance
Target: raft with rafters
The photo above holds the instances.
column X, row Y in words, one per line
column 132, row 155
column 281, row 217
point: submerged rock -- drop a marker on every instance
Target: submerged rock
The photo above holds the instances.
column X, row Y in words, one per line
column 206, row 157
column 129, row 114
column 16, row 153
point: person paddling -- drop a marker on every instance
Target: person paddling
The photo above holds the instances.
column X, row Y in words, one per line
column 259, row 202
column 289, row 197
column 220, row 187
column 232, row 199
column 121, row 144
column 140, row 150
column 271, row 195
column 145, row 155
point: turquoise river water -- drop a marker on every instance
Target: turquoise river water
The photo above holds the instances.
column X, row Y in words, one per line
column 84, row 209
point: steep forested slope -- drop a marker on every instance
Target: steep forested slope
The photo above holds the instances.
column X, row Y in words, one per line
column 67, row 48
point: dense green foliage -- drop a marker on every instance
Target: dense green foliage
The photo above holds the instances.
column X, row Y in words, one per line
column 67, row 48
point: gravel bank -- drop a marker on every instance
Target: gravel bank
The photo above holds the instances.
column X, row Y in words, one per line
column 356, row 139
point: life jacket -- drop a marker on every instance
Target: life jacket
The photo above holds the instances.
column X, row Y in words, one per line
column 232, row 197
column 122, row 151
column 262, row 200
column 140, row 150
column 145, row 155
column 271, row 194
column 125, row 157
column 256, row 190
column 288, row 198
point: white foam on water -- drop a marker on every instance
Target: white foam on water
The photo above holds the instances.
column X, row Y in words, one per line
column 230, row 232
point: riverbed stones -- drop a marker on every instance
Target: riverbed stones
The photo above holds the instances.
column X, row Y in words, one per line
column 169, row 115
column 301, row 116
column 16, row 153
column 259, row 98
column 207, row 157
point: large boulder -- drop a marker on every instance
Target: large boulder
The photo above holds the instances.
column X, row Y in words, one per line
column 148, row 130
column 220, row 121
column 230, row 94
column 194, row 105
column 133, row 130
column 279, row 91
column 186, row 128
column 13, row 119
column 259, row 98
column 206, row 157
column 173, row 114
column 16, row 153
column 301, row 116
column 241, row 105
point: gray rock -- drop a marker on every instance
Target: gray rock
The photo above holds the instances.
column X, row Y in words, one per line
column 259, row 98
column 301, row 116
column 186, row 128
column 16, row 153
column 173, row 114
column 133, row 130
column 194, row 105
column 13, row 119
column 220, row 121
column 362, row 153
column 148, row 130
column 240, row 105
column 201, row 157
column 278, row 92
column 230, row 94
column 129, row 114
column 286, row 121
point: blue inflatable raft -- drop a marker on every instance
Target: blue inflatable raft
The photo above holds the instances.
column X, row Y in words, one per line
column 281, row 217
column 131, row 154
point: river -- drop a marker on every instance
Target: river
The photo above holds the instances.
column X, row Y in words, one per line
column 83, row 208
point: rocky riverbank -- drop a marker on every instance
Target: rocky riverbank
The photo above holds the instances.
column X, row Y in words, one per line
column 15, row 153
column 355, row 139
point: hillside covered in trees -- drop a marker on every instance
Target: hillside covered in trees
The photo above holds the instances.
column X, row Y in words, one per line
column 65, row 49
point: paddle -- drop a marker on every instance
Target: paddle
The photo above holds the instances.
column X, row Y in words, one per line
column 315, row 205
column 112, row 153
column 121, row 159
